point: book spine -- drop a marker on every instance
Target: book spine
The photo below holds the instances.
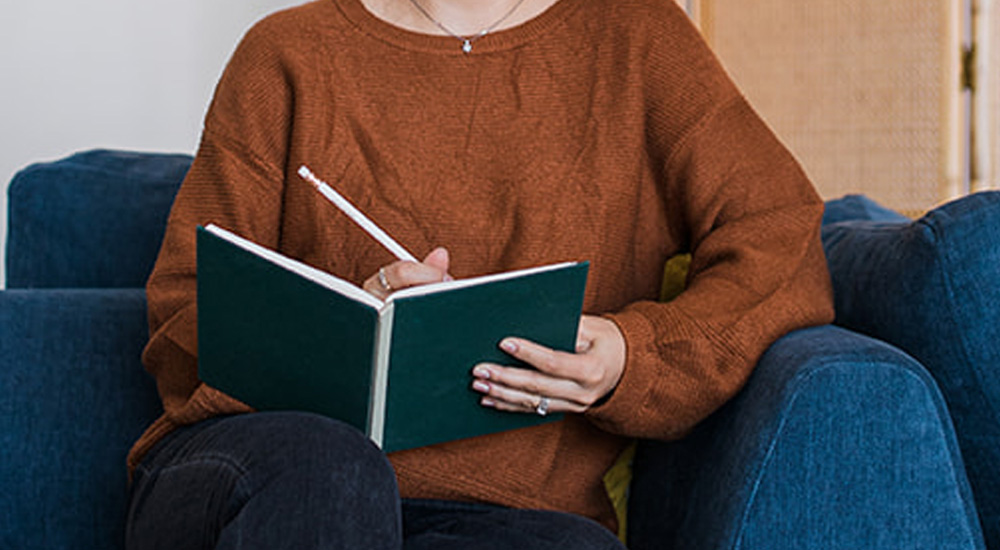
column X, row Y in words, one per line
column 380, row 375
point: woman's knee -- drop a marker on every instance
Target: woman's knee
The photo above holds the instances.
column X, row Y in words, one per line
column 292, row 452
column 316, row 447
column 231, row 476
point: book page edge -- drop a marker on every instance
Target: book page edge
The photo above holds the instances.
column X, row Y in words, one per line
column 380, row 376
column 474, row 281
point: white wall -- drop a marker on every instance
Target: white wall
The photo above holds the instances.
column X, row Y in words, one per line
column 127, row 74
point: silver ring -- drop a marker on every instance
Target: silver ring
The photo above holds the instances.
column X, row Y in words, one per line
column 543, row 406
column 383, row 280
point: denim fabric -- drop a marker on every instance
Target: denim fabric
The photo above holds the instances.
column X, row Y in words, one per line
column 300, row 481
column 94, row 219
column 73, row 398
column 837, row 441
column 931, row 287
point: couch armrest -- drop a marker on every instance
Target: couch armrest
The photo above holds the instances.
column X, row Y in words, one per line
column 929, row 287
column 837, row 441
column 73, row 398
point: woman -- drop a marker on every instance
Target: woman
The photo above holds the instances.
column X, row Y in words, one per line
column 490, row 135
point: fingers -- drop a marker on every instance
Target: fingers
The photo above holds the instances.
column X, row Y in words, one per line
column 505, row 398
column 519, row 389
column 378, row 285
column 439, row 259
column 555, row 363
column 542, row 406
column 571, row 381
column 585, row 335
column 400, row 275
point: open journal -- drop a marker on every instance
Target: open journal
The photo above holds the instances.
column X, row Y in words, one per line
column 278, row 334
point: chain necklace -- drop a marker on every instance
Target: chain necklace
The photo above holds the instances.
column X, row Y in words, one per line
column 467, row 40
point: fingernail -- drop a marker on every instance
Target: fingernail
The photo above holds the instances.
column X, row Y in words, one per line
column 481, row 372
column 487, row 402
column 480, row 386
column 448, row 277
column 509, row 346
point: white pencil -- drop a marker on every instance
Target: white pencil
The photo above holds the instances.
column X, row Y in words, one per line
column 359, row 218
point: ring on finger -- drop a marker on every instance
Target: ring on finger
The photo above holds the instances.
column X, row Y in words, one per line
column 383, row 280
column 542, row 408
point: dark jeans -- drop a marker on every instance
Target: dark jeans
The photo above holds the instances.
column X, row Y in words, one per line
column 301, row 481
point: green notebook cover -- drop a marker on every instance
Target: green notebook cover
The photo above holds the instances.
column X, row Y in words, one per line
column 275, row 334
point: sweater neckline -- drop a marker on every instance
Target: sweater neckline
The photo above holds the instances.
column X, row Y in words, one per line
column 505, row 39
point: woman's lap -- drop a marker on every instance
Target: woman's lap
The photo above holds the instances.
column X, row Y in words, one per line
column 297, row 480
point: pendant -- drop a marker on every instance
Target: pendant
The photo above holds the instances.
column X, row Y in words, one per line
column 466, row 46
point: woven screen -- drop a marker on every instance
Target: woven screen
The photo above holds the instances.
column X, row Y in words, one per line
column 988, row 88
column 865, row 94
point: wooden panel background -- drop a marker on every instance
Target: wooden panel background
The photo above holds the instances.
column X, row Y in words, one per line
column 986, row 171
column 867, row 95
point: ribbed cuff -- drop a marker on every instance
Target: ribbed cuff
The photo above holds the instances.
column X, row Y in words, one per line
column 634, row 388
column 207, row 402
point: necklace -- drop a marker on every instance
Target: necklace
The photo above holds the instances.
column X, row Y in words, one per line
column 466, row 40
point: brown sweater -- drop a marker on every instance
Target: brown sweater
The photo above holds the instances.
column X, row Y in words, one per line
column 601, row 130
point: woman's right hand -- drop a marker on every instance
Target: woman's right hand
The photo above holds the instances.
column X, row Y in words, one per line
column 400, row 275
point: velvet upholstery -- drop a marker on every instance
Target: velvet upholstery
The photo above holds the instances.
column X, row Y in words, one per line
column 837, row 441
column 932, row 287
column 93, row 219
column 73, row 397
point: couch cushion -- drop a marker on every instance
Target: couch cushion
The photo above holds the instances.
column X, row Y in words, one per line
column 858, row 207
column 94, row 219
column 930, row 287
column 73, row 399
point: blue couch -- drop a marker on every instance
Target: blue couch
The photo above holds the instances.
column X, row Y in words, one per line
column 839, row 440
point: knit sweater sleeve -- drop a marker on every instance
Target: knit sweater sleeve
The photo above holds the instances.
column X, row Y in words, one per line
column 235, row 181
column 750, row 218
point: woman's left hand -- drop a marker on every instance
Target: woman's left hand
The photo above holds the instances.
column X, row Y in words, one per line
column 564, row 382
